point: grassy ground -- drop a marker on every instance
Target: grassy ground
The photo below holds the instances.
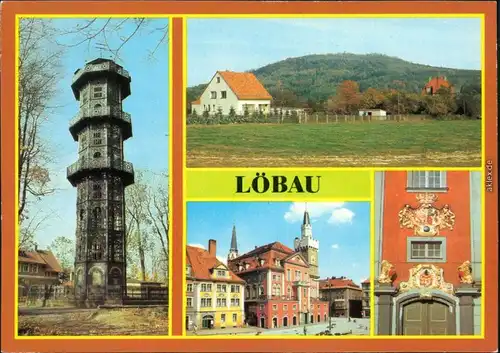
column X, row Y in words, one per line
column 390, row 144
column 143, row 321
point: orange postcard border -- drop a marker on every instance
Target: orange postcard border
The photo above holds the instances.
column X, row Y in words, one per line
column 179, row 9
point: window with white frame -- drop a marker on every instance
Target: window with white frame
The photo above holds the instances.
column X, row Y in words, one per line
column 213, row 95
column 426, row 249
column 189, row 287
column 426, row 180
column 189, row 302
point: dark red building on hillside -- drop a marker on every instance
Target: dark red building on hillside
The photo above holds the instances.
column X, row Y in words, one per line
column 281, row 287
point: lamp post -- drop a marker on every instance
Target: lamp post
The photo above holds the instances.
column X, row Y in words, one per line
column 330, row 303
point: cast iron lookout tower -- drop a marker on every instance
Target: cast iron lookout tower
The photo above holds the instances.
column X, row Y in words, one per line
column 100, row 176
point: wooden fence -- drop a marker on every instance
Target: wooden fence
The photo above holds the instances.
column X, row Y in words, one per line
column 308, row 118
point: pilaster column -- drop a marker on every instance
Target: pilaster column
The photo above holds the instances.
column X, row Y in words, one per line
column 466, row 294
column 385, row 307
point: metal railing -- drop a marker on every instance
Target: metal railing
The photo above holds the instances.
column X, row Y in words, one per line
column 124, row 166
column 106, row 66
column 102, row 111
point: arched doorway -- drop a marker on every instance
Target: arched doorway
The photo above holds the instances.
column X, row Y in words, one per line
column 294, row 321
column 275, row 322
column 319, row 318
column 187, row 322
column 312, row 319
column 285, row 322
column 427, row 317
column 207, row 320
column 262, row 322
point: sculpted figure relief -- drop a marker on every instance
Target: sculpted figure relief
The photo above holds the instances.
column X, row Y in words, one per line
column 387, row 272
column 465, row 273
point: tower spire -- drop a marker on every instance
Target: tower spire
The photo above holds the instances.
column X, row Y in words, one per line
column 307, row 220
column 233, row 250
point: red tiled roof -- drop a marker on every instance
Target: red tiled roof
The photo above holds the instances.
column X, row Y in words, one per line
column 202, row 263
column 337, row 283
column 268, row 253
column 245, row 85
column 437, row 82
column 43, row 257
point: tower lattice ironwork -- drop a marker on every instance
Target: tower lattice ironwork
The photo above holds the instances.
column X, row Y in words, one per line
column 100, row 176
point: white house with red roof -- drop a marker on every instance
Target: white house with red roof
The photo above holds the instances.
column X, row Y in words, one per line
column 240, row 90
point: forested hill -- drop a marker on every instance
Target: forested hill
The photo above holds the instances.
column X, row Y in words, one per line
column 315, row 77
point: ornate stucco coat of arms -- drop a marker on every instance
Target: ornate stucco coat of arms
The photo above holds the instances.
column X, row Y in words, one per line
column 427, row 277
column 426, row 219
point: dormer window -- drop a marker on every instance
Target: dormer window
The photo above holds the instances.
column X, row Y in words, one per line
column 188, row 270
column 221, row 273
column 261, row 262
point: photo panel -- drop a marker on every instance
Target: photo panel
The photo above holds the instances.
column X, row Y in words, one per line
column 380, row 91
column 278, row 268
column 429, row 253
column 93, row 200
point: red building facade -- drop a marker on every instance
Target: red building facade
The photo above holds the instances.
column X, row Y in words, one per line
column 281, row 288
column 428, row 257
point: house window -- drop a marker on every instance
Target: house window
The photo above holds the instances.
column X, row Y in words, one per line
column 213, row 95
column 206, row 302
column 261, row 290
column 97, row 141
column 97, row 92
column 223, row 94
column 206, row 287
column 275, row 307
column 221, row 302
column 426, row 180
column 305, row 292
column 426, row 249
column 235, row 318
column 261, row 307
column 235, row 302
column 288, row 275
column 285, row 307
column 221, row 288
column 189, row 302
column 218, row 79
column 190, row 287
column 221, row 273
column 223, row 318
column 274, row 277
column 97, row 155
column 295, row 307
column 188, row 270
column 235, row 288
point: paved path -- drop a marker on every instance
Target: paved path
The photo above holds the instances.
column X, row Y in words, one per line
column 341, row 326
column 51, row 311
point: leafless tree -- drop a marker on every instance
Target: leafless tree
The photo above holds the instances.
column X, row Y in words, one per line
column 38, row 74
column 101, row 32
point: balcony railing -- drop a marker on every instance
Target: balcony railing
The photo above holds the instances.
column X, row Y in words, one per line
column 272, row 297
column 102, row 111
column 301, row 283
column 80, row 166
column 106, row 66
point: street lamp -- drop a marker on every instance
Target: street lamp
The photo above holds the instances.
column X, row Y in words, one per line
column 330, row 303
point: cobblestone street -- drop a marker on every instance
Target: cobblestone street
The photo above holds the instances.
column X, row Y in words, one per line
column 341, row 327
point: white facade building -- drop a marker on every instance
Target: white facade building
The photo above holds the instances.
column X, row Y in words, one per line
column 373, row 112
column 240, row 90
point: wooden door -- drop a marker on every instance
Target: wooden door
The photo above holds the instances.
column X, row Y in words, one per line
column 428, row 318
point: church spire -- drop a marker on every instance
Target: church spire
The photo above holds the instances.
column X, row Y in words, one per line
column 234, row 245
column 233, row 250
